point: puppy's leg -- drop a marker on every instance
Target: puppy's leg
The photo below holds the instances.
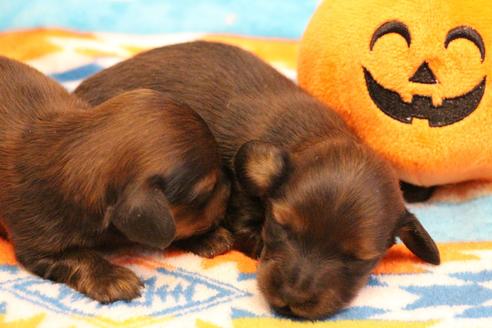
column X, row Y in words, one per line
column 85, row 271
column 245, row 217
column 210, row 244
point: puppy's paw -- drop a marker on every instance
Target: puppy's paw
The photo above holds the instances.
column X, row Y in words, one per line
column 115, row 284
column 211, row 244
column 85, row 271
column 254, row 251
column 249, row 242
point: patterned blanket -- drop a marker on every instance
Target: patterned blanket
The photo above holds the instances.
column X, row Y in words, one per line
column 183, row 290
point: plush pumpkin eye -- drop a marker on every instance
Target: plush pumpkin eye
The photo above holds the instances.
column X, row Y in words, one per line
column 467, row 33
column 391, row 27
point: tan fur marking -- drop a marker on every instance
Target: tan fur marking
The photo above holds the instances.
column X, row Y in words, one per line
column 206, row 184
column 286, row 215
column 263, row 168
column 363, row 248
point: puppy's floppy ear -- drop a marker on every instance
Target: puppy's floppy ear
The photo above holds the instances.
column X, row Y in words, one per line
column 142, row 214
column 261, row 167
column 417, row 239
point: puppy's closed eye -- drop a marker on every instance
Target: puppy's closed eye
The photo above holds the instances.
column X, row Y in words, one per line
column 362, row 242
column 287, row 216
column 275, row 235
column 360, row 248
column 199, row 201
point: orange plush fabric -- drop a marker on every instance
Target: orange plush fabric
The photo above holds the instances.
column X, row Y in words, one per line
column 412, row 78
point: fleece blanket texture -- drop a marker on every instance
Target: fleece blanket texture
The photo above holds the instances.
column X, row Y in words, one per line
column 184, row 290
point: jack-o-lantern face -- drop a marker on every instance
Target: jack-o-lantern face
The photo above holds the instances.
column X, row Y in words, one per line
column 451, row 110
column 412, row 80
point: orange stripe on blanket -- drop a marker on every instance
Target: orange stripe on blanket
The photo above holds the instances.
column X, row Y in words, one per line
column 150, row 261
column 27, row 45
column 142, row 261
column 31, row 44
column 116, row 50
column 7, row 255
column 400, row 260
column 244, row 263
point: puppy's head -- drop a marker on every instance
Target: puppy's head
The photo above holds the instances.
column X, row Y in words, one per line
column 331, row 214
column 179, row 188
column 153, row 213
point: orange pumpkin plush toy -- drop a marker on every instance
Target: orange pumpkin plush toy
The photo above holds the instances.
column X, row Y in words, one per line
column 412, row 78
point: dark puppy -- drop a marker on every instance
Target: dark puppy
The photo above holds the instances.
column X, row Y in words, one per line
column 326, row 206
column 138, row 167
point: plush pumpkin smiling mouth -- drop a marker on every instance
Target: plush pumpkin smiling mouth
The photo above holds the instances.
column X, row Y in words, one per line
column 451, row 110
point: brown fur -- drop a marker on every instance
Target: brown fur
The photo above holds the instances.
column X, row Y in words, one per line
column 341, row 205
column 138, row 168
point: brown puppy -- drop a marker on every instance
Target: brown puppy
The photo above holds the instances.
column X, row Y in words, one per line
column 138, row 167
column 326, row 206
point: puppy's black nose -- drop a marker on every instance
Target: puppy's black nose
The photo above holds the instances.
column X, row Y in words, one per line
column 285, row 311
column 296, row 296
column 300, row 276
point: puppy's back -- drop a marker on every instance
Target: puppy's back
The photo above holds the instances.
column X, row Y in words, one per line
column 200, row 72
column 227, row 86
column 26, row 94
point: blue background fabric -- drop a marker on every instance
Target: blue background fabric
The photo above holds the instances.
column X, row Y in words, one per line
column 278, row 18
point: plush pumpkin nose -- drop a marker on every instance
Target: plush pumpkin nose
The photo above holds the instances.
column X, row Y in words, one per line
column 424, row 75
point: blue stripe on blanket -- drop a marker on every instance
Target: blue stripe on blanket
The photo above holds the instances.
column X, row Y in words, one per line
column 450, row 222
column 77, row 73
column 279, row 18
column 166, row 293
